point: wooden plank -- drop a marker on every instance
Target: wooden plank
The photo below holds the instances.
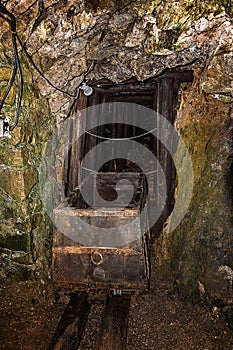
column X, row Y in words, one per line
column 90, row 142
column 69, row 211
column 139, row 99
column 165, row 108
column 77, row 141
column 70, row 328
column 67, row 157
column 114, row 325
column 108, row 86
column 89, row 250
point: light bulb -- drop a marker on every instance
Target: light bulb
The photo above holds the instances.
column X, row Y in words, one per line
column 87, row 90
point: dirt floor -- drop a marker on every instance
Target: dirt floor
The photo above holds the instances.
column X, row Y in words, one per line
column 158, row 320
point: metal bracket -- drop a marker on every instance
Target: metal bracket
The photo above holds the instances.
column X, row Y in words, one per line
column 5, row 127
column 117, row 292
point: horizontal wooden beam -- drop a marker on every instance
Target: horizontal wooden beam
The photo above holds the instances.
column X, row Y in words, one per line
column 108, row 86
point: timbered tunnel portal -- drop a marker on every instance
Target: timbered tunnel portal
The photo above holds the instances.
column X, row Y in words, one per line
column 159, row 94
column 98, row 267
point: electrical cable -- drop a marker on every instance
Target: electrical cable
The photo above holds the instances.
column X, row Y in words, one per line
column 10, row 19
column 12, row 23
column 11, row 82
column 20, row 81
column 39, row 71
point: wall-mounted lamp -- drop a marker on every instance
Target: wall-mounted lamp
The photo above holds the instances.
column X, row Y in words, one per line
column 87, row 90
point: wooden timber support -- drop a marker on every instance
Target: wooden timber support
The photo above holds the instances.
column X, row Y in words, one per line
column 82, row 258
column 114, row 323
column 71, row 326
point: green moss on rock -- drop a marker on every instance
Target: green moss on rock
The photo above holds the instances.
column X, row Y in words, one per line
column 184, row 13
column 198, row 247
column 24, row 235
column 14, row 240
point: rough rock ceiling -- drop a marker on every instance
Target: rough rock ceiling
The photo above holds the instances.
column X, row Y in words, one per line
column 75, row 40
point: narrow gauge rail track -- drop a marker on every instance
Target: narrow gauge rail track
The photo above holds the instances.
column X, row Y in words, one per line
column 71, row 326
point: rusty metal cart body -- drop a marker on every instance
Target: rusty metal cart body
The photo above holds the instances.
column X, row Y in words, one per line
column 101, row 266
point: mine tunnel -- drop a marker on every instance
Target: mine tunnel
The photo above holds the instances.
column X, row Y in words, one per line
column 116, row 175
column 159, row 95
column 83, row 258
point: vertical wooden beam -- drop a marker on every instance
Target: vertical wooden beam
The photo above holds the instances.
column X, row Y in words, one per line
column 89, row 141
column 114, row 324
column 67, row 157
column 70, row 328
column 165, row 107
column 78, row 141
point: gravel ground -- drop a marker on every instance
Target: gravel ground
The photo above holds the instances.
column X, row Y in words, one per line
column 158, row 320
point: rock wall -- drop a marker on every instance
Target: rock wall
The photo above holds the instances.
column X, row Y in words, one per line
column 70, row 41
column 200, row 249
column 24, row 239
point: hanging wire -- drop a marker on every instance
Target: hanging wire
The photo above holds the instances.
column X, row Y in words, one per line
column 29, row 57
column 40, row 72
column 4, row 12
column 120, row 138
column 20, row 82
column 10, row 19
column 97, row 172
column 11, row 82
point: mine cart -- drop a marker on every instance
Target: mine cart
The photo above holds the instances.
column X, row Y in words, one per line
column 83, row 260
